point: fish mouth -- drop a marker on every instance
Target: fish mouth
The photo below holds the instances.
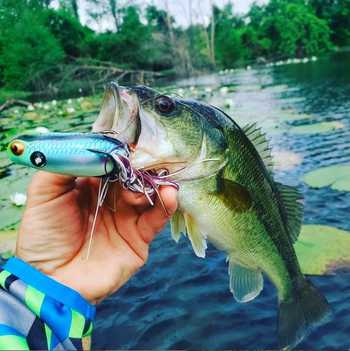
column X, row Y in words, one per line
column 119, row 115
column 122, row 115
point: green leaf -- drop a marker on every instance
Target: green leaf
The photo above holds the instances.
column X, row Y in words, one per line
column 292, row 115
column 336, row 176
column 315, row 128
column 323, row 250
column 7, row 243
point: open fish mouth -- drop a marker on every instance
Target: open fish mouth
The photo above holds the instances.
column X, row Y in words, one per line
column 122, row 116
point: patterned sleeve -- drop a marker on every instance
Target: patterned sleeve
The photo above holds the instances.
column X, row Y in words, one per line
column 38, row 313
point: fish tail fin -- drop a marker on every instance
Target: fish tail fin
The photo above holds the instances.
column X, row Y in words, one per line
column 300, row 314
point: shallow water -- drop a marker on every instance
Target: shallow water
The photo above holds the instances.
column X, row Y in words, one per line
column 179, row 301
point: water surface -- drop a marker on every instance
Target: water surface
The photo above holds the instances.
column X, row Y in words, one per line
column 179, row 301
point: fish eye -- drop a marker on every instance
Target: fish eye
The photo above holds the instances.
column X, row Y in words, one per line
column 17, row 148
column 165, row 104
column 38, row 159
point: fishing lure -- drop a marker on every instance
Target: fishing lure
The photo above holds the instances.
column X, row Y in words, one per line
column 88, row 155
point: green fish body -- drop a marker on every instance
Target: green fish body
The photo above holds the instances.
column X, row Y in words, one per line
column 227, row 196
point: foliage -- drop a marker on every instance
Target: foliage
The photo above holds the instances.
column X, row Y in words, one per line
column 288, row 29
column 127, row 46
column 36, row 40
column 228, row 45
column 70, row 34
column 24, row 52
column 337, row 15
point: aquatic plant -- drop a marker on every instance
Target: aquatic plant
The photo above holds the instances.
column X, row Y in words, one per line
column 322, row 127
column 322, row 249
column 336, row 176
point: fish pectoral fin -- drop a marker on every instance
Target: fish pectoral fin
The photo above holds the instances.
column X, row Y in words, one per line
column 178, row 226
column 198, row 240
column 245, row 283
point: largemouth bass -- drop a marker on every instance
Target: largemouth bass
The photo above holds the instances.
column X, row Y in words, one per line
column 227, row 195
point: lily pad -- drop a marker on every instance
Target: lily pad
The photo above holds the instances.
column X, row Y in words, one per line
column 10, row 216
column 7, row 243
column 323, row 250
column 336, row 176
column 322, row 127
column 32, row 115
column 292, row 115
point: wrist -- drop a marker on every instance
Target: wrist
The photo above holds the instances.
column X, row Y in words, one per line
column 50, row 287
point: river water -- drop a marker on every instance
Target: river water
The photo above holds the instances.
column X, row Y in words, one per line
column 179, row 301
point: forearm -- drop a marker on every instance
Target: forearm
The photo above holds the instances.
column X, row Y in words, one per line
column 36, row 312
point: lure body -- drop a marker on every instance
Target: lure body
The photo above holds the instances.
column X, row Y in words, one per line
column 77, row 154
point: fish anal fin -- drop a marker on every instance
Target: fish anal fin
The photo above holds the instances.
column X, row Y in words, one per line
column 290, row 199
column 260, row 142
column 198, row 240
column 177, row 224
column 245, row 283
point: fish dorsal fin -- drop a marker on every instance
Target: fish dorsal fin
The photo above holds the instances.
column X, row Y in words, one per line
column 290, row 199
column 245, row 283
column 260, row 142
column 198, row 240
column 177, row 225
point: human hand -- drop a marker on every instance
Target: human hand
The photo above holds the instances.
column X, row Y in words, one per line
column 55, row 228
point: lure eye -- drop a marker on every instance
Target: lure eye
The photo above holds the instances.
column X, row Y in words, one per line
column 17, row 148
column 165, row 104
column 38, row 159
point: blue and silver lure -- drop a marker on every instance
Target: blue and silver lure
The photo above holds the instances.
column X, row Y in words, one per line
column 87, row 155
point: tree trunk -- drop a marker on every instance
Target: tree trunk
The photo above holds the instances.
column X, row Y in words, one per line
column 74, row 4
column 113, row 7
column 212, row 34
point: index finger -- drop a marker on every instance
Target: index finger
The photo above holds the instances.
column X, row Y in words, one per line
column 154, row 219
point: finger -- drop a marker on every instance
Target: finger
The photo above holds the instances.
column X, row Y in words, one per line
column 155, row 218
column 126, row 224
column 47, row 186
column 133, row 198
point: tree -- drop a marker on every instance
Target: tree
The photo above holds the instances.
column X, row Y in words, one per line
column 70, row 6
column 23, row 52
column 337, row 15
column 228, row 47
column 114, row 12
column 291, row 28
column 68, row 31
